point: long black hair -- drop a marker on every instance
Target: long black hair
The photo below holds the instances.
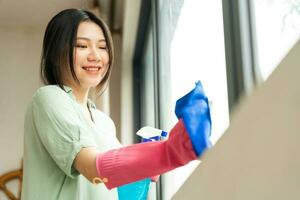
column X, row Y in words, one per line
column 59, row 43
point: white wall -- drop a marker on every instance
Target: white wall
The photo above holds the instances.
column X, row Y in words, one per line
column 20, row 50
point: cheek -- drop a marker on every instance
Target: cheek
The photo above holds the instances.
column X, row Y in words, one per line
column 106, row 61
column 77, row 57
column 106, row 58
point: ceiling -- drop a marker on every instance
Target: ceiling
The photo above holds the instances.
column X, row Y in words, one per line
column 35, row 13
column 24, row 14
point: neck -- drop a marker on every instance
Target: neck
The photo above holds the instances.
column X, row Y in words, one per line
column 81, row 94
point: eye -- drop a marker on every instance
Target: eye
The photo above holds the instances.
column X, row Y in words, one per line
column 82, row 46
column 103, row 47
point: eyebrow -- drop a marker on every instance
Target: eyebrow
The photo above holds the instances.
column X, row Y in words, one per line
column 85, row 38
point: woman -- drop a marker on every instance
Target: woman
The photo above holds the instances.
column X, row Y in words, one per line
column 70, row 148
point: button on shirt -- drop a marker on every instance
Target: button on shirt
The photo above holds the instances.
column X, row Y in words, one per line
column 55, row 131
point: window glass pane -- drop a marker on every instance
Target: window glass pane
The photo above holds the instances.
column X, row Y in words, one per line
column 191, row 47
column 278, row 29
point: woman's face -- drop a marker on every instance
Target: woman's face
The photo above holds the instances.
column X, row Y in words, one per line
column 91, row 56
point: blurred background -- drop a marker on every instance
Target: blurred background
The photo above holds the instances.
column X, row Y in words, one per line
column 162, row 48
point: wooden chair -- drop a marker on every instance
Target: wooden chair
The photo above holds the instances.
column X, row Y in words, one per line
column 10, row 176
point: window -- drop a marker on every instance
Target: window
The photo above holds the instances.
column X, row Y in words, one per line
column 191, row 48
column 185, row 43
column 278, row 29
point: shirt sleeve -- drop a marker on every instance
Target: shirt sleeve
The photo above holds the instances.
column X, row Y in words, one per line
column 60, row 128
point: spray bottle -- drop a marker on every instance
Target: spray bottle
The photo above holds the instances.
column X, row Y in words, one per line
column 139, row 189
column 148, row 134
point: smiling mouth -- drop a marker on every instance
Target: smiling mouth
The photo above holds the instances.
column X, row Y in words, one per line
column 91, row 69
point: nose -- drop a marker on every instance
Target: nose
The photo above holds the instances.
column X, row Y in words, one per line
column 94, row 55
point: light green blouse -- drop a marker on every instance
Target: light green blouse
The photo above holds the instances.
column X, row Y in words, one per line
column 55, row 131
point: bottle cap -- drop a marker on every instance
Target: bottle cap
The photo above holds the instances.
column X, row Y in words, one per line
column 164, row 133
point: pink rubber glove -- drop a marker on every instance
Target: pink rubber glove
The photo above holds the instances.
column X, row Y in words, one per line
column 138, row 161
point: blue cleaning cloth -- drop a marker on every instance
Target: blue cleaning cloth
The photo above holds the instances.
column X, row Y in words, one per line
column 134, row 191
column 193, row 108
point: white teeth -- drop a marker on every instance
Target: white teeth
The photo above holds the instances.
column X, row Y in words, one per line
column 92, row 68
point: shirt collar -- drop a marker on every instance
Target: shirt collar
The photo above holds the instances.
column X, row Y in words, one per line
column 68, row 89
column 91, row 104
